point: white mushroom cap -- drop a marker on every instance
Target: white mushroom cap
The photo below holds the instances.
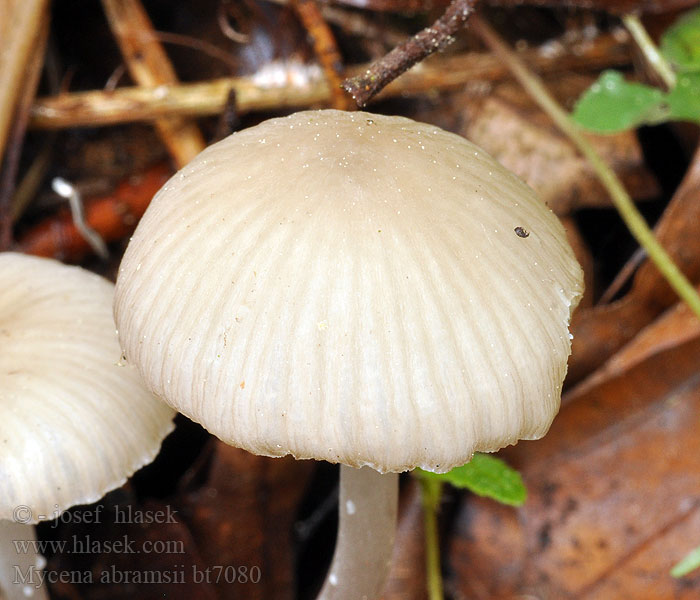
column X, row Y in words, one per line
column 351, row 287
column 74, row 423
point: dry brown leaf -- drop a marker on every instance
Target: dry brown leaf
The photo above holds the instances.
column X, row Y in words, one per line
column 676, row 327
column 111, row 556
column 214, row 537
column 613, row 491
column 243, row 516
column 532, row 148
column 601, row 330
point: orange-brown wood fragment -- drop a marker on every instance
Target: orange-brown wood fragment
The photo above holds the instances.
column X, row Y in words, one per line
column 325, row 48
column 114, row 216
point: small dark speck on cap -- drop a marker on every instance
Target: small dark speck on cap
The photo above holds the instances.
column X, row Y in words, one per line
column 520, row 232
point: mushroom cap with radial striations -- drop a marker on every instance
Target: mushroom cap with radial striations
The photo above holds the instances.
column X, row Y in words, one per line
column 74, row 423
column 351, row 287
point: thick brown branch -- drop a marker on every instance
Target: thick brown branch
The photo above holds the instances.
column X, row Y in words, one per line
column 130, row 104
column 403, row 57
column 10, row 161
column 20, row 24
column 149, row 65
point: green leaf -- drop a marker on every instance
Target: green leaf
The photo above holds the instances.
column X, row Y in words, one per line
column 690, row 562
column 612, row 104
column 485, row 476
column 683, row 101
column 681, row 42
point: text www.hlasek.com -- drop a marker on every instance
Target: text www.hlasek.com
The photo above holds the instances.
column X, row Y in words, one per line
column 88, row 545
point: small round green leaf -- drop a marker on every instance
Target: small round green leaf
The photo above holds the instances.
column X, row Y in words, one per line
column 487, row 476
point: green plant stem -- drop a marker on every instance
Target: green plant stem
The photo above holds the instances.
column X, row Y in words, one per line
column 621, row 199
column 649, row 49
column 690, row 562
column 431, row 490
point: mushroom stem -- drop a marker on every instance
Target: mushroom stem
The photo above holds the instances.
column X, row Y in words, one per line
column 366, row 530
column 21, row 566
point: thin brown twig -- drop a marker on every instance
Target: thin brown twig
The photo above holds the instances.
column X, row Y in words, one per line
column 177, row 39
column 187, row 41
column 431, row 39
column 623, row 276
column 229, row 119
column 223, row 15
column 357, row 23
column 114, row 79
column 149, row 66
column 360, row 24
column 32, row 179
column 325, row 48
